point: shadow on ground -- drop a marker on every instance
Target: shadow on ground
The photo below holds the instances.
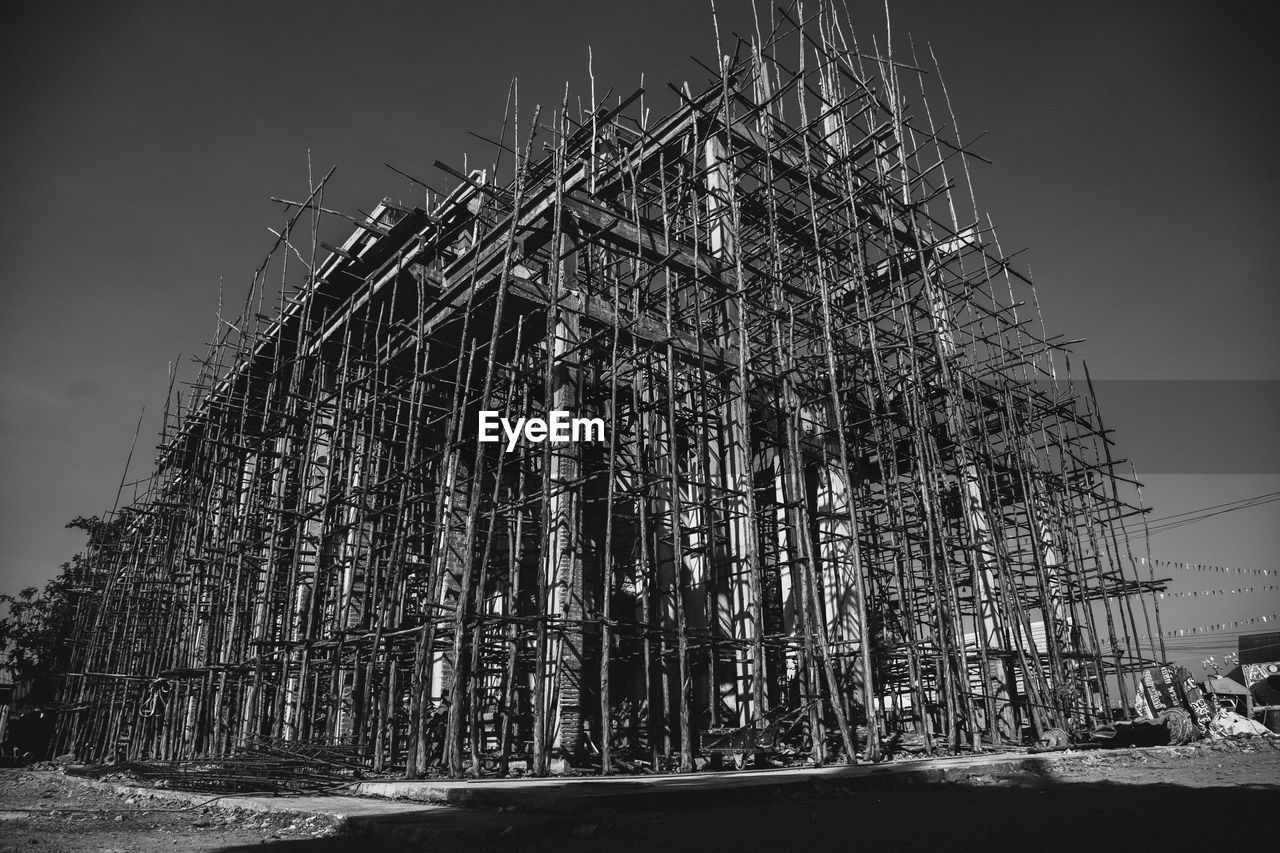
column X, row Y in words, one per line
column 1037, row 812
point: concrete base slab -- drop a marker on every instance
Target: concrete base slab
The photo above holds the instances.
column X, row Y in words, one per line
column 694, row 790
column 464, row 810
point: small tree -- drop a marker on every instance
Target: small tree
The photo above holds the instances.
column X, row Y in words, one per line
column 36, row 631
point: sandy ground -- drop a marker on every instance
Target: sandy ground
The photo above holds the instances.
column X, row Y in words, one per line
column 47, row 812
column 1177, row 797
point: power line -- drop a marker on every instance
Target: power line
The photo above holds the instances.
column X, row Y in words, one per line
column 1180, row 519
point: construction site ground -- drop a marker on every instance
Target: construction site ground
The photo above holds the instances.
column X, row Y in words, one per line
column 1176, row 796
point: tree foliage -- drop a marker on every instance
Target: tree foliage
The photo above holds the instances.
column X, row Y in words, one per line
column 36, row 630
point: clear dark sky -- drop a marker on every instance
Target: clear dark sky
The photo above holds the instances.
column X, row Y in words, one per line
column 1134, row 148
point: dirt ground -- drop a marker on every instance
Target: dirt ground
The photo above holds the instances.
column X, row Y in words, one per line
column 1177, row 797
column 47, row 812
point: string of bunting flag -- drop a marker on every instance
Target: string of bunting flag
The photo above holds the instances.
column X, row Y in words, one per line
column 1201, row 593
column 1220, row 626
column 1199, row 567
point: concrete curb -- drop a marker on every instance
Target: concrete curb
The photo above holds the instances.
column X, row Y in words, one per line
column 378, row 799
column 448, row 810
column 699, row 790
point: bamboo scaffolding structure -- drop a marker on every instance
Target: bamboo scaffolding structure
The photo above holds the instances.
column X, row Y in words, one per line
column 846, row 474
